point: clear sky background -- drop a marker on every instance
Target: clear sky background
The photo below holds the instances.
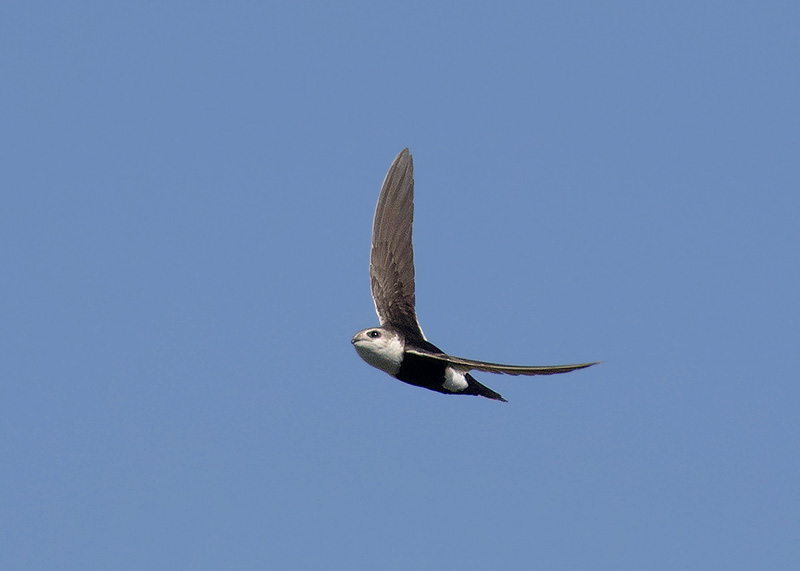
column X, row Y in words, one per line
column 187, row 201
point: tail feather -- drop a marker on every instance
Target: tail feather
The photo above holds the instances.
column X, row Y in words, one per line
column 475, row 388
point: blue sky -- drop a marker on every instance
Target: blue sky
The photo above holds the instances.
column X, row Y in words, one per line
column 188, row 197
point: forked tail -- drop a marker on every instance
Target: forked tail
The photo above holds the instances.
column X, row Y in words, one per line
column 475, row 388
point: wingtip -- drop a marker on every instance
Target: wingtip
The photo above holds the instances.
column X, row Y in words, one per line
column 402, row 161
column 584, row 366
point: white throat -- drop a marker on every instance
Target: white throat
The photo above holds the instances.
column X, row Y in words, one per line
column 385, row 353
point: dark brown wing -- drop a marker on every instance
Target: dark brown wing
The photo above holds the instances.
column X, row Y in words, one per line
column 391, row 266
column 469, row 364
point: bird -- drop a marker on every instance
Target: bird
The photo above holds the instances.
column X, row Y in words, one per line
column 398, row 346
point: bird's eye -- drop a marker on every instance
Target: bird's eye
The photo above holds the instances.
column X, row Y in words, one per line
column 374, row 334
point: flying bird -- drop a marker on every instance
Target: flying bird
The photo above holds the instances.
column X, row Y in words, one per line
column 398, row 346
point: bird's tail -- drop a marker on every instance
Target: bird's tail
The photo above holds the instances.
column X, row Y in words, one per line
column 475, row 388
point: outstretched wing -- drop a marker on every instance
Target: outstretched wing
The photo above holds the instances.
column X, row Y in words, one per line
column 391, row 266
column 469, row 364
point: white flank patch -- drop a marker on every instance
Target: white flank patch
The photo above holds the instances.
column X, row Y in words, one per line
column 454, row 381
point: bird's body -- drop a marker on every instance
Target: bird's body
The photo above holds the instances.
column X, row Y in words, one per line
column 423, row 365
column 398, row 346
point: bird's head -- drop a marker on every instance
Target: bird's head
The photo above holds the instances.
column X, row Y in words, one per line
column 381, row 348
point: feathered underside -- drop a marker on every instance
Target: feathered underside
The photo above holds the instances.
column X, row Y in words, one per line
column 497, row 368
column 391, row 266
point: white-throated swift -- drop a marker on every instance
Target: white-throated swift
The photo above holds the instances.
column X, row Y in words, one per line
column 398, row 346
